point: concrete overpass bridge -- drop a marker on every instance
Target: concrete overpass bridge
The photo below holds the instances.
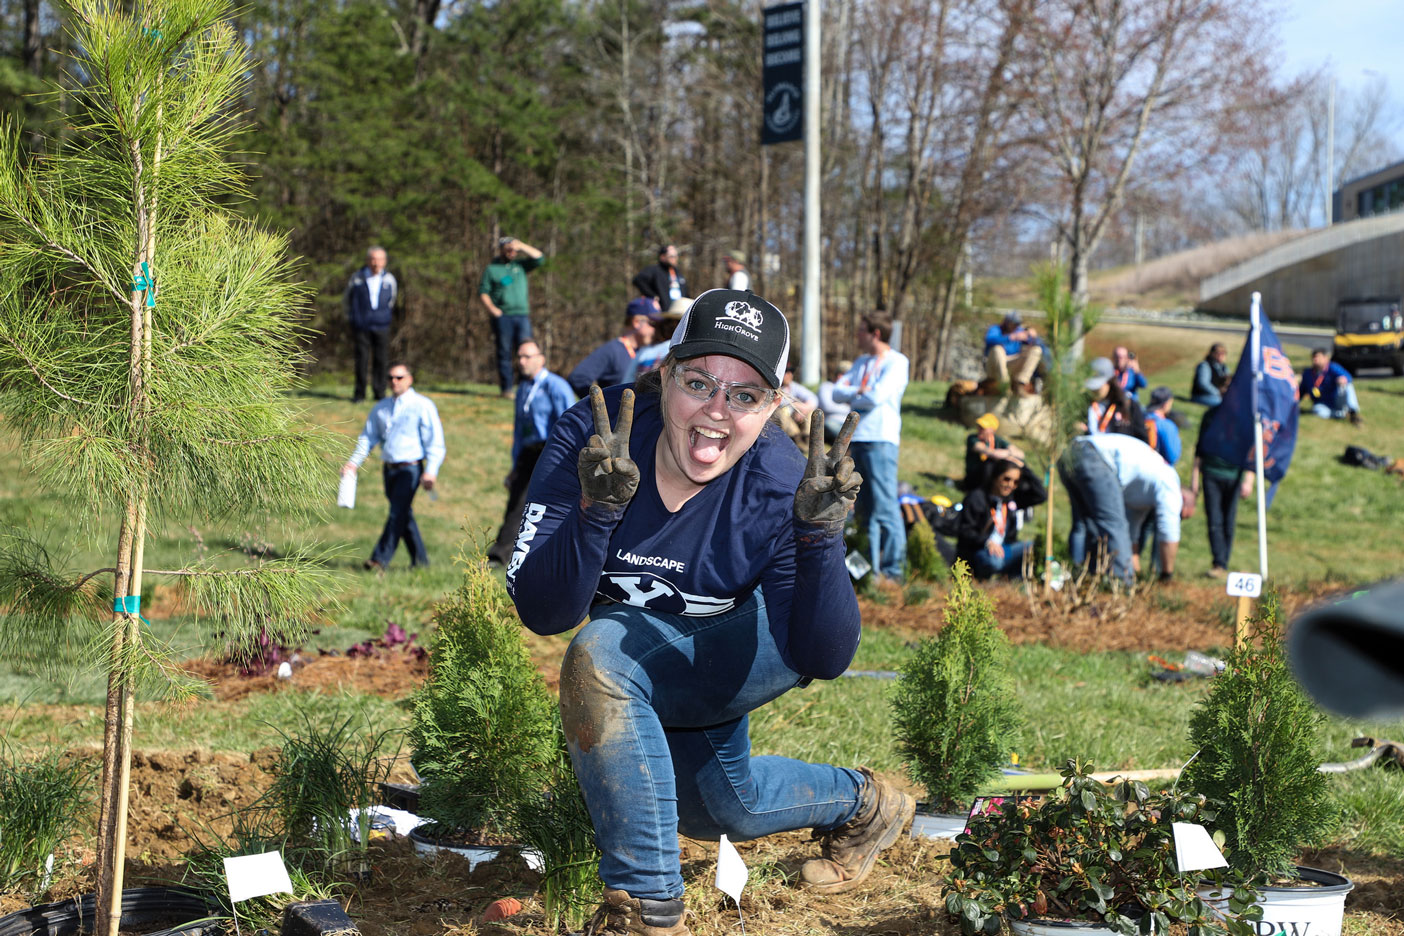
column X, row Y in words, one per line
column 1303, row 279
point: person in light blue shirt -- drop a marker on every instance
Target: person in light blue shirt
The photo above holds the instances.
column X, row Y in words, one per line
column 874, row 388
column 541, row 399
column 406, row 427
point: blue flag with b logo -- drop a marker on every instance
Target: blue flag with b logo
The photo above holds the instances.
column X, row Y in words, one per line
column 1228, row 434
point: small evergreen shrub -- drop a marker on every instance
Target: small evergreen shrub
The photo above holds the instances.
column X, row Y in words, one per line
column 483, row 729
column 1256, row 734
column 923, row 558
column 953, row 710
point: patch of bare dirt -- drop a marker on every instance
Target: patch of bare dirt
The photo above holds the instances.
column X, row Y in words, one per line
column 391, row 674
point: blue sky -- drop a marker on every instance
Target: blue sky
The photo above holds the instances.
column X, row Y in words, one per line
column 1353, row 36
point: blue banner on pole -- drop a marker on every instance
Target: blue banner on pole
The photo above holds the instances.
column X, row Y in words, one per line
column 1228, row 434
column 783, row 74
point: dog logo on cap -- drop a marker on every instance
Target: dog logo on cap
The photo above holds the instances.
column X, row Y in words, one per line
column 744, row 313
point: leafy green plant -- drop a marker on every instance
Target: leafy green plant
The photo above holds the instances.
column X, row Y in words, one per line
column 320, row 777
column 41, row 802
column 484, row 726
column 953, row 710
column 1256, row 734
column 555, row 823
column 1090, row 852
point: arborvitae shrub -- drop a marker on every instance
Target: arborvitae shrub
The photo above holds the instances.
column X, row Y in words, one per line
column 1256, row 734
column 922, row 555
column 483, row 731
column 953, row 710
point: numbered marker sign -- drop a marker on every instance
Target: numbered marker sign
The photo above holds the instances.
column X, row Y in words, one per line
column 1245, row 584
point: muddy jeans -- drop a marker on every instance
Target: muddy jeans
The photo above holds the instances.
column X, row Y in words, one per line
column 655, row 714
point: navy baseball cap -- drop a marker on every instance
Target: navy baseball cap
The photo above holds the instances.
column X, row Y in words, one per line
column 739, row 324
column 642, row 306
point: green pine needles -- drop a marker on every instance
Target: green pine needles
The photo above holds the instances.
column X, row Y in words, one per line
column 484, row 726
column 1256, row 734
column 149, row 342
column 953, row 710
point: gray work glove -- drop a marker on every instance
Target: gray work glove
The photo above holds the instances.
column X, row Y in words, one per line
column 830, row 484
column 607, row 474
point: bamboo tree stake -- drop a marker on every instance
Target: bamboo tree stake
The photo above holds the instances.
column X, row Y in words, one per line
column 129, row 634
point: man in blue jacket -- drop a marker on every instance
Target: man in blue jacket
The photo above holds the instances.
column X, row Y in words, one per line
column 369, row 302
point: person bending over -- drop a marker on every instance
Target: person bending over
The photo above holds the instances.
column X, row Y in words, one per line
column 709, row 558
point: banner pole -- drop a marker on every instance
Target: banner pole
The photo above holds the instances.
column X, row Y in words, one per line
column 1258, row 434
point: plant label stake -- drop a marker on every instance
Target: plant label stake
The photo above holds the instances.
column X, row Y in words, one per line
column 1245, row 586
column 1194, row 849
column 731, row 875
column 251, row 876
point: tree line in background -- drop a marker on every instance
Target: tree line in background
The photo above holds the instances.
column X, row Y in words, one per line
column 957, row 134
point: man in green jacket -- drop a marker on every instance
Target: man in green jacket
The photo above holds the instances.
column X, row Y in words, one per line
column 503, row 291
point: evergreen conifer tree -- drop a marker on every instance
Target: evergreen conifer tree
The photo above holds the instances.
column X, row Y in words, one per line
column 148, row 343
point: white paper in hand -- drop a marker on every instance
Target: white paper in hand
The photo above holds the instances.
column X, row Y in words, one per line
column 252, row 876
column 1194, row 849
column 346, row 491
column 731, row 871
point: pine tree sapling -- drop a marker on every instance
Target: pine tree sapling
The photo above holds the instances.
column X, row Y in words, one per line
column 1256, row 737
column 923, row 558
column 483, row 732
column 953, row 709
column 149, row 341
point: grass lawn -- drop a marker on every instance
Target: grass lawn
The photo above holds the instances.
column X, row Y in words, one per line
column 1329, row 523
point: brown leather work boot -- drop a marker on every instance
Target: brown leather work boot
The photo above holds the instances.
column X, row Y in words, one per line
column 634, row 916
column 850, row 850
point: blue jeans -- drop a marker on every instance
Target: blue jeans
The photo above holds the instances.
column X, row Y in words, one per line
column 1346, row 402
column 1098, row 507
column 654, row 708
column 401, row 483
column 511, row 330
column 983, row 564
column 878, row 510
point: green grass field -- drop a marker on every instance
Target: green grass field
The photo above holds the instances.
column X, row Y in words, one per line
column 1329, row 523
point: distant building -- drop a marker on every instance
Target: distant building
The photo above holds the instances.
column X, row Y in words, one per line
column 1374, row 193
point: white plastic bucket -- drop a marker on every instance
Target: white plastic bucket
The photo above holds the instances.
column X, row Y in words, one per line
column 474, row 854
column 1055, row 928
column 1317, row 910
column 937, row 825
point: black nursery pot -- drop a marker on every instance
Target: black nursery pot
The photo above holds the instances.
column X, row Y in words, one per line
column 142, row 908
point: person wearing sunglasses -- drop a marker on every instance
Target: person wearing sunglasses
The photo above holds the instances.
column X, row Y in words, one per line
column 708, row 555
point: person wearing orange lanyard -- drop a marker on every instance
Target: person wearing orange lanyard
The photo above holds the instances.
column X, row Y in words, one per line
column 874, row 388
column 985, row 528
column 1111, row 410
column 1128, row 372
column 1326, row 389
column 613, row 362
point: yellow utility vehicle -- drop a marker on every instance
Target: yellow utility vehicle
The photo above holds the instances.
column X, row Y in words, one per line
column 1369, row 333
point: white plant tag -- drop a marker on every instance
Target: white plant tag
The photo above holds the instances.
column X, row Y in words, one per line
column 1194, row 849
column 252, row 876
column 731, row 870
column 346, row 491
column 1245, row 584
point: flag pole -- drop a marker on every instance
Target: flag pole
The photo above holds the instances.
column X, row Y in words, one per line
column 1258, row 433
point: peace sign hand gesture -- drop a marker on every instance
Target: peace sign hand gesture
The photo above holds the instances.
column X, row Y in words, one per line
column 830, row 484
column 607, row 474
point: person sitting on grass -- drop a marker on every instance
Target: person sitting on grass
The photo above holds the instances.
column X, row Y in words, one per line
column 1327, row 390
column 1211, row 377
column 985, row 528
